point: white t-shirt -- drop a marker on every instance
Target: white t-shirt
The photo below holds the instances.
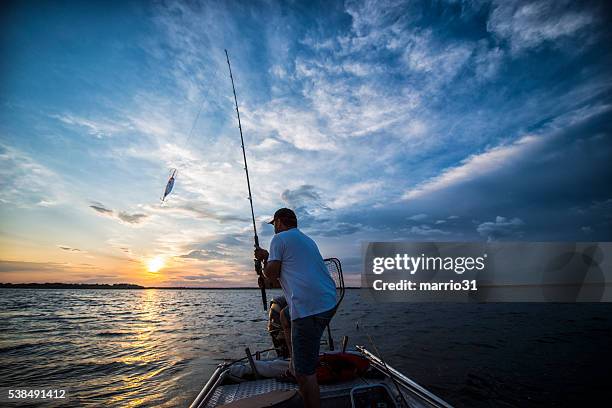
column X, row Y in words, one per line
column 306, row 282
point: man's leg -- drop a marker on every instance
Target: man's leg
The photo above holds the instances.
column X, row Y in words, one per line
column 286, row 324
column 306, row 337
column 309, row 390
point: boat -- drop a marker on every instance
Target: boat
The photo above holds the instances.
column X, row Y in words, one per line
column 354, row 377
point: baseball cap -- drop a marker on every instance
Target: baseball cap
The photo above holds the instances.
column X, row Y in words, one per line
column 283, row 213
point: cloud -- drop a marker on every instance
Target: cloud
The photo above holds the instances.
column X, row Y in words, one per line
column 220, row 252
column 24, row 182
column 475, row 166
column 268, row 144
column 316, row 217
column 442, row 62
column 292, row 124
column 487, row 61
column 20, row 266
column 527, row 25
column 500, row 228
column 539, row 184
column 68, row 248
column 360, row 193
column 122, row 216
column 565, row 136
column 596, row 212
column 349, row 108
column 418, row 217
column 101, row 209
column 601, row 207
column 201, row 210
column 205, row 254
column 97, row 128
column 43, row 268
column 307, row 203
column 425, row 230
column 302, row 196
column 135, row 218
column 334, row 229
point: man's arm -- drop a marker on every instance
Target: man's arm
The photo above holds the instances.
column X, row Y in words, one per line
column 271, row 270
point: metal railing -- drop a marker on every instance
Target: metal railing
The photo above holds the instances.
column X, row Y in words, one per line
column 406, row 383
column 334, row 266
column 215, row 379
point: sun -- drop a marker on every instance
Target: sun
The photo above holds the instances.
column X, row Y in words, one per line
column 155, row 264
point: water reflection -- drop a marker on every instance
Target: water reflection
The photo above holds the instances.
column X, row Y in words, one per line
column 120, row 348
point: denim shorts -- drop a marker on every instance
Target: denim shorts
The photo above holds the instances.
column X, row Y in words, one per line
column 305, row 341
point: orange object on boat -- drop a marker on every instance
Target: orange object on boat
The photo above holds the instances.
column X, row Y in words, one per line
column 334, row 367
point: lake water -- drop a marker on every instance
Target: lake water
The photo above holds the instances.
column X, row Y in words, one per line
column 157, row 347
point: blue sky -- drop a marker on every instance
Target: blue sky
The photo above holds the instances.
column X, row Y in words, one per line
column 376, row 121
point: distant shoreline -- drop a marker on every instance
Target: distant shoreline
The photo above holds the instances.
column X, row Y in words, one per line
column 116, row 286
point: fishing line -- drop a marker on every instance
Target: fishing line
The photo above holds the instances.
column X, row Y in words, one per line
column 195, row 121
column 174, row 171
column 215, row 74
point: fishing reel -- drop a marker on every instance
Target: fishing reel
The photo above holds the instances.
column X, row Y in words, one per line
column 261, row 280
column 275, row 327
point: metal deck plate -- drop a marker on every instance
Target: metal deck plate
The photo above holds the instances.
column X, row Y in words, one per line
column 225, row 394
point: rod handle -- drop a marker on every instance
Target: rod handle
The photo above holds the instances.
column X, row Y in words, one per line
column 262, row 283
column 252, row 363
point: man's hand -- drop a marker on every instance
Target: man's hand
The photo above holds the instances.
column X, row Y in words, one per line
column 261, row 254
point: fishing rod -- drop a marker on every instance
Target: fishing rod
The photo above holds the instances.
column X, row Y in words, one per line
column 258, row 265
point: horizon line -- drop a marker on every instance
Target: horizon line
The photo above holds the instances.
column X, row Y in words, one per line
column 119, row 286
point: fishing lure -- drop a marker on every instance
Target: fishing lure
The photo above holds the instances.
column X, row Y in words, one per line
column 170, row 184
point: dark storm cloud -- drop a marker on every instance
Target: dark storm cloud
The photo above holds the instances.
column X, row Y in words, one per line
column 301, row 195
column 306, row 201
column 552, row 184
column 558, row 189
column 314, row 215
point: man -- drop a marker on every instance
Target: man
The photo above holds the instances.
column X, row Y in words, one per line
column 295, row 261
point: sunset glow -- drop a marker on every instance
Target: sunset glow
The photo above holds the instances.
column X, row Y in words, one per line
column 155, row 264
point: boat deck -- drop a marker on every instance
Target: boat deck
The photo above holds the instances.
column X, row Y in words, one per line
column 336, row 395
